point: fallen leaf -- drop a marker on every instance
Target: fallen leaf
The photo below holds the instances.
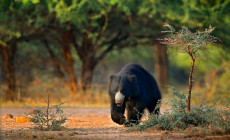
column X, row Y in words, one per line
column 22, row 119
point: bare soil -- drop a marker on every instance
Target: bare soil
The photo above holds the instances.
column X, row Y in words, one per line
column 84, row 123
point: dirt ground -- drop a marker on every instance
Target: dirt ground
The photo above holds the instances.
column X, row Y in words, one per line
column 84, row 123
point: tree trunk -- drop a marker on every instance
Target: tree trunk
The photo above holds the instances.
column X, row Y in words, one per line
column 9, row 55
column 88, row 67
column 69, row 61
column 161, row 66
column 190, row 82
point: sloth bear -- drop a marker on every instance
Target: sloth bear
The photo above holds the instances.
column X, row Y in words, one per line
column 133, row 89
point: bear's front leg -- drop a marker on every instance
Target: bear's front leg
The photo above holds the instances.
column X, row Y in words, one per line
column 117, row 114
column 134, row 115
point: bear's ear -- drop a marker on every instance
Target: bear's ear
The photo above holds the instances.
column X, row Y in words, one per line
column 131, row 78
column 112, row 76
column 110, row 80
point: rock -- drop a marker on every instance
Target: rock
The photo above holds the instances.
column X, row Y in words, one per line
column 22, row 119
column 7, row 116
column 34, row 136
column 33, row 111
column 163, row 133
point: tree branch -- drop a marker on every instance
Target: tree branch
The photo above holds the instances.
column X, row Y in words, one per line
column 111, row 46
column 54, row 60
column 78, row 49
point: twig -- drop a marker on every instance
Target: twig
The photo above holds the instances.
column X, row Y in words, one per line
column 47, row 111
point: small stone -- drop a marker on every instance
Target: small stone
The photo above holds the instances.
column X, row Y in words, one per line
column 34, row 136
column 164, row 133
column 50, row 137
column 33, row 111
column 7, row 116
column 75, row 132
column 71, row 134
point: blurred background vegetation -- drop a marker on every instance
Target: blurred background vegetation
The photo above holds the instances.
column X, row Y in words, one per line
column 70, row 47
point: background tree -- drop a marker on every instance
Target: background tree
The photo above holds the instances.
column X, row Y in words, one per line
column 25, row 21
column 97, row 28
column 18, row 24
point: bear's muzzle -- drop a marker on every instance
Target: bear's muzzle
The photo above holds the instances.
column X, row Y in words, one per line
column 119, row 99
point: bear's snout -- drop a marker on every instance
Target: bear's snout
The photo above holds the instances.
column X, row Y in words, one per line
column 119, row 99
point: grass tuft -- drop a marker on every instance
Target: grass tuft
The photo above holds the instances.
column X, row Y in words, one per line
column 201, row 120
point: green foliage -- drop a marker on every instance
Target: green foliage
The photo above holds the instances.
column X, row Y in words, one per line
column 187, row 42
column 48, row 118
column 177, row 118
column 21, row 18
column 99, row 21
column 95, row 16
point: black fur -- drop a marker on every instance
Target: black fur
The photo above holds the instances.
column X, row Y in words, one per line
column 140, row 89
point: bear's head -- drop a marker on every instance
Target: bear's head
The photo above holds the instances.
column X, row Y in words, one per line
column 123, row 87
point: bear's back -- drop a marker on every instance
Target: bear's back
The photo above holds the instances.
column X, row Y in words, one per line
column 138, row 71
column 146, row 81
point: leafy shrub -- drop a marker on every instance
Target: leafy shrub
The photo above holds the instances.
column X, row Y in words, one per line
column 48, row 118
column 178, row 118
column 190, row 43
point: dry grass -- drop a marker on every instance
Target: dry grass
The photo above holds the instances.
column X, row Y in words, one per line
column 92, row 99
column 36, row 92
